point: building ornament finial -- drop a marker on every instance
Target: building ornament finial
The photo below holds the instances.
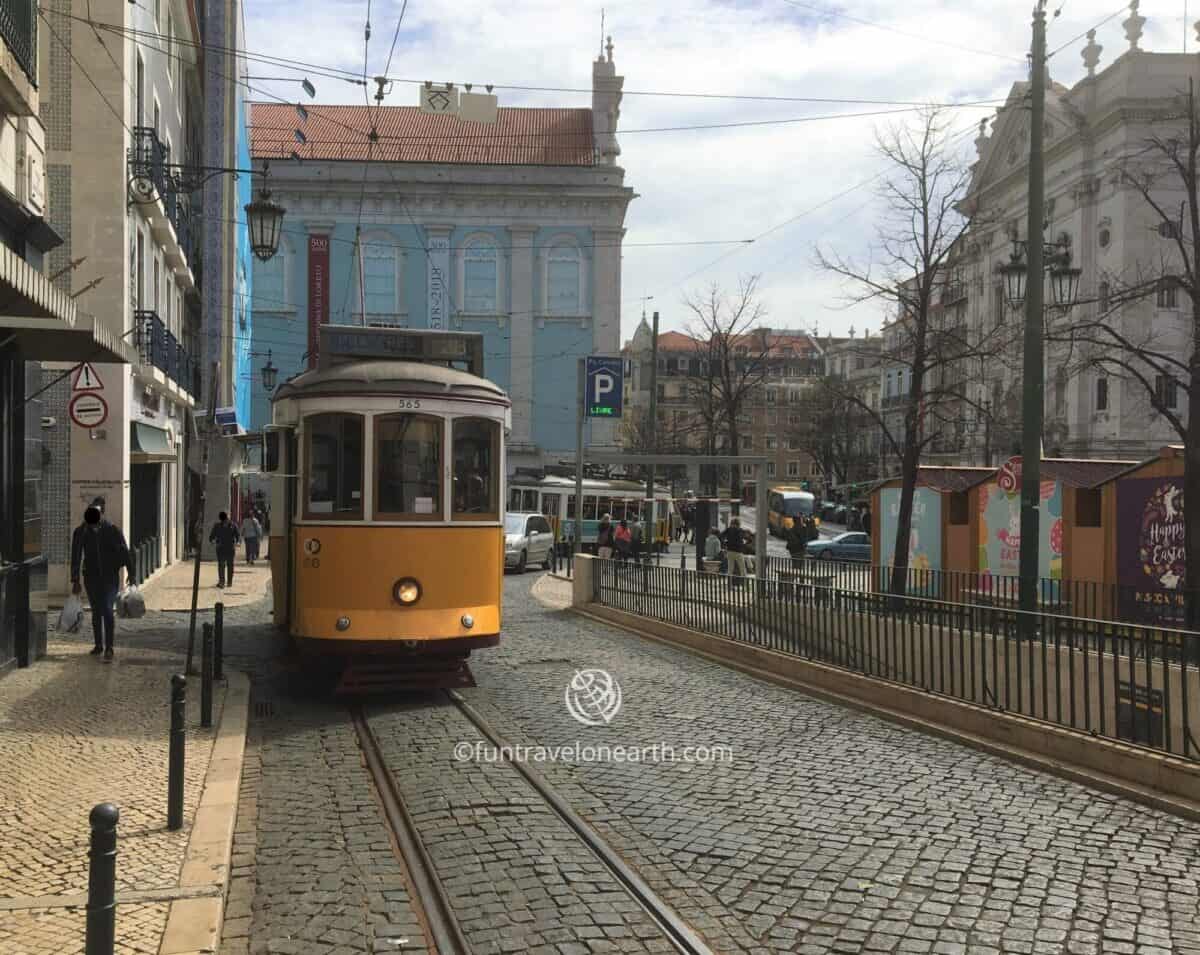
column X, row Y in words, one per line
column 608, row 47
column 1091, row 53
column 1133, row 26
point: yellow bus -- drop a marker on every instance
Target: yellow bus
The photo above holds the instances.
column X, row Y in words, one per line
column 784, row 504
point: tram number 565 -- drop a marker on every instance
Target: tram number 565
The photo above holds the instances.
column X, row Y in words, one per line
column 409, row 404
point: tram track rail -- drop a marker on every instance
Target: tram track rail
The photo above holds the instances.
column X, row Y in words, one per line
column 445, row 932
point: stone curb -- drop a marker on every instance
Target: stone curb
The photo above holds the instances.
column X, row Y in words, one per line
column 1074, row 772
column 194, row 924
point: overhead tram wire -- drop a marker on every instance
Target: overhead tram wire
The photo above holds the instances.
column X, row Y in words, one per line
column 1075, row 39
column 354, row 77
column 825, row 11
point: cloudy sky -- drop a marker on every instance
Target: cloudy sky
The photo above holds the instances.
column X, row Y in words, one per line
column 733, row 183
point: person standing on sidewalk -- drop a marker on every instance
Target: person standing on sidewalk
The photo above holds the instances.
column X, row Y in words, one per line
column 98, row 548
column 225, row 538
column 604, row 538
column 735, row 546
column 251, row 534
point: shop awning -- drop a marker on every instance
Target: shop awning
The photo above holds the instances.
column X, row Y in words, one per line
column 150, row 445
column 84, row 339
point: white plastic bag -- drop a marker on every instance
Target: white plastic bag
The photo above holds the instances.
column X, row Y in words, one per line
column 131, row 604
column 71, row 617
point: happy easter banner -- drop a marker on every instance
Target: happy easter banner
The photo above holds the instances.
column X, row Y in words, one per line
column 1000, row 531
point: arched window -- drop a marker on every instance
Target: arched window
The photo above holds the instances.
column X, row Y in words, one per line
column 564, row 279
column 481, row 277
column 381, row 290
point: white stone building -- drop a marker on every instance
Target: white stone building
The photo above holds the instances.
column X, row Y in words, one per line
column 1091, row 128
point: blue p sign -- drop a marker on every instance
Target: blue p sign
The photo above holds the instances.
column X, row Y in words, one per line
column 605, row 384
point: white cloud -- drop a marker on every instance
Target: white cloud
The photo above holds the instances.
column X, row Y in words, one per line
column 719, row 184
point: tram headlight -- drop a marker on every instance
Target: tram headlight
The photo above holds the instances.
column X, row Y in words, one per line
column 406, row 591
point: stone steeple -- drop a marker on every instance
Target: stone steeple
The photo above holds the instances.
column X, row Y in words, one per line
column 606, row 105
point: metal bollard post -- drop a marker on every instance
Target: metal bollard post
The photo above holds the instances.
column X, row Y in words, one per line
column 176, row 752
column 101, row 930
column 219, row 643
column 206, row 676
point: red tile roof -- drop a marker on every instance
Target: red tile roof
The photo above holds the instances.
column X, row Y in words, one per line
column 526, row 137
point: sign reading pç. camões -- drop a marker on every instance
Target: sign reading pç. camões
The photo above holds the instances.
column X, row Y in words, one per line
column 88, row 410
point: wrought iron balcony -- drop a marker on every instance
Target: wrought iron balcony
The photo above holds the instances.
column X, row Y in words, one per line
column 18, row 25
column 159, row 349
column 148, row 158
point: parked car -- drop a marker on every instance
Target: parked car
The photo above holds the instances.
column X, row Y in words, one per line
column 852, row 545
column 528, row 539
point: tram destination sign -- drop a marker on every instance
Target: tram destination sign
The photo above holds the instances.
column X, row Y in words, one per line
column 604, row 386
column 340, row 344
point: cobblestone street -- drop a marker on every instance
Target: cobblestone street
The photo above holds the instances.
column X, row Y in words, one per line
column 830, row 831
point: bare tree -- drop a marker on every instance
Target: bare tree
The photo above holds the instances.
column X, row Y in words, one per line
column 1157, row 357
column 914, row 273
column 835, row 431
column 732, row 350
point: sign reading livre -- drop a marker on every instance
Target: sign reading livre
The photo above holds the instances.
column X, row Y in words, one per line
column 318, row 293
column 604, row 384
column 88, row 410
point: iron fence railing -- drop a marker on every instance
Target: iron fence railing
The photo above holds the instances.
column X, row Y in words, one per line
column 1081, row 598
column 1124, row 681
column 158, row 347
column 18, row 26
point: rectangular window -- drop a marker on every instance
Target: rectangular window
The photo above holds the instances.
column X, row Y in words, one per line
column 770, row 396
column 1101, row 394
column 408, row 467
column 479, row 280
column 959, row 511
column 772, row 443
column 476, row 444
column 793, row 469
column 379, row 279
column 1087, row 507
column 333, row 463
column 770, row 469
column 1167, row 295
column 589, row 507
column 747, row 470
column 562, row 282
column 793, row 444
column 1166, row 391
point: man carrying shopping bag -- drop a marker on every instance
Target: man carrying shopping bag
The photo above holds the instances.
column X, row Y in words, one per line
column 98, row 548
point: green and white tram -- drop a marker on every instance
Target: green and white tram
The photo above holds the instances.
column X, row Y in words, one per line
column 554, row 496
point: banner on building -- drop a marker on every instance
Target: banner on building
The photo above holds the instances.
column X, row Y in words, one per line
column 438, row 267
column 1151, row 559
column 924, row 536
column 1000, row 529
column 318, row 292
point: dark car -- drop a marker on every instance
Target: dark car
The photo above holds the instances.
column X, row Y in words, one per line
column 852, row 545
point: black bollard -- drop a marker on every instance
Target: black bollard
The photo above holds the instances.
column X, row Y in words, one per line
column 101, row 932
column 219, row 643
column 206, row 676
column 176, row 752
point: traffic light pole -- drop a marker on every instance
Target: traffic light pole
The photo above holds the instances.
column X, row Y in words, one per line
column 648, row 525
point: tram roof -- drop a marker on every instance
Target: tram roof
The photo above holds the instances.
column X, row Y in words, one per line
column 384, row 377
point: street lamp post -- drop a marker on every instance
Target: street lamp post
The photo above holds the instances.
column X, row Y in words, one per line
column 270, row 374
column 1025, row 281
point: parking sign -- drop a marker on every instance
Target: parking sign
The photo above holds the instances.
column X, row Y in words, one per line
column 605, row 383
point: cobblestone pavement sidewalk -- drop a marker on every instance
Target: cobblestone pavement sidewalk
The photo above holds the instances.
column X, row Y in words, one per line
column 74, row 732
column 171, row 589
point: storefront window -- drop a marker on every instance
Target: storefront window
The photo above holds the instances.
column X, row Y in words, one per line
column 408, row 467
column 334, row 454
column 476, row 469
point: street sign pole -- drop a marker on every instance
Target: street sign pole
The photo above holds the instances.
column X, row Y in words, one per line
column 581, row 398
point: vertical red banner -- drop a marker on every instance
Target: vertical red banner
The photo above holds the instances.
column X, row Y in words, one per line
column 318, row 292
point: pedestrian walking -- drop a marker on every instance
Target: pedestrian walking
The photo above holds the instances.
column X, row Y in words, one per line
column 252, row 535
column 224, row 537
column 797, row 539
column 735, row 546
column 635, row 535
column 604, row 538
column 623, row 540
column 98, row 549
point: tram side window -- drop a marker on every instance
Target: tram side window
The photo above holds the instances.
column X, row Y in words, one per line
column 408, row 467
column 589, row 507
column 334, row 456
column 476, row 469
column 571, row 506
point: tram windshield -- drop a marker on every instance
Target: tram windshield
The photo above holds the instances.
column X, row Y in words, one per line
column 408, row 467
column 334, row 460
column 476, row 469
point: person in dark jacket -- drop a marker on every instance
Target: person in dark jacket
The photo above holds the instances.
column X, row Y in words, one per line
column 98, row 549
column 736, row 545
column 797, row 538
column 225, row 538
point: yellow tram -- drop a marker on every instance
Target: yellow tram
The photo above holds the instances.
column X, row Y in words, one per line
column 387, row 544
